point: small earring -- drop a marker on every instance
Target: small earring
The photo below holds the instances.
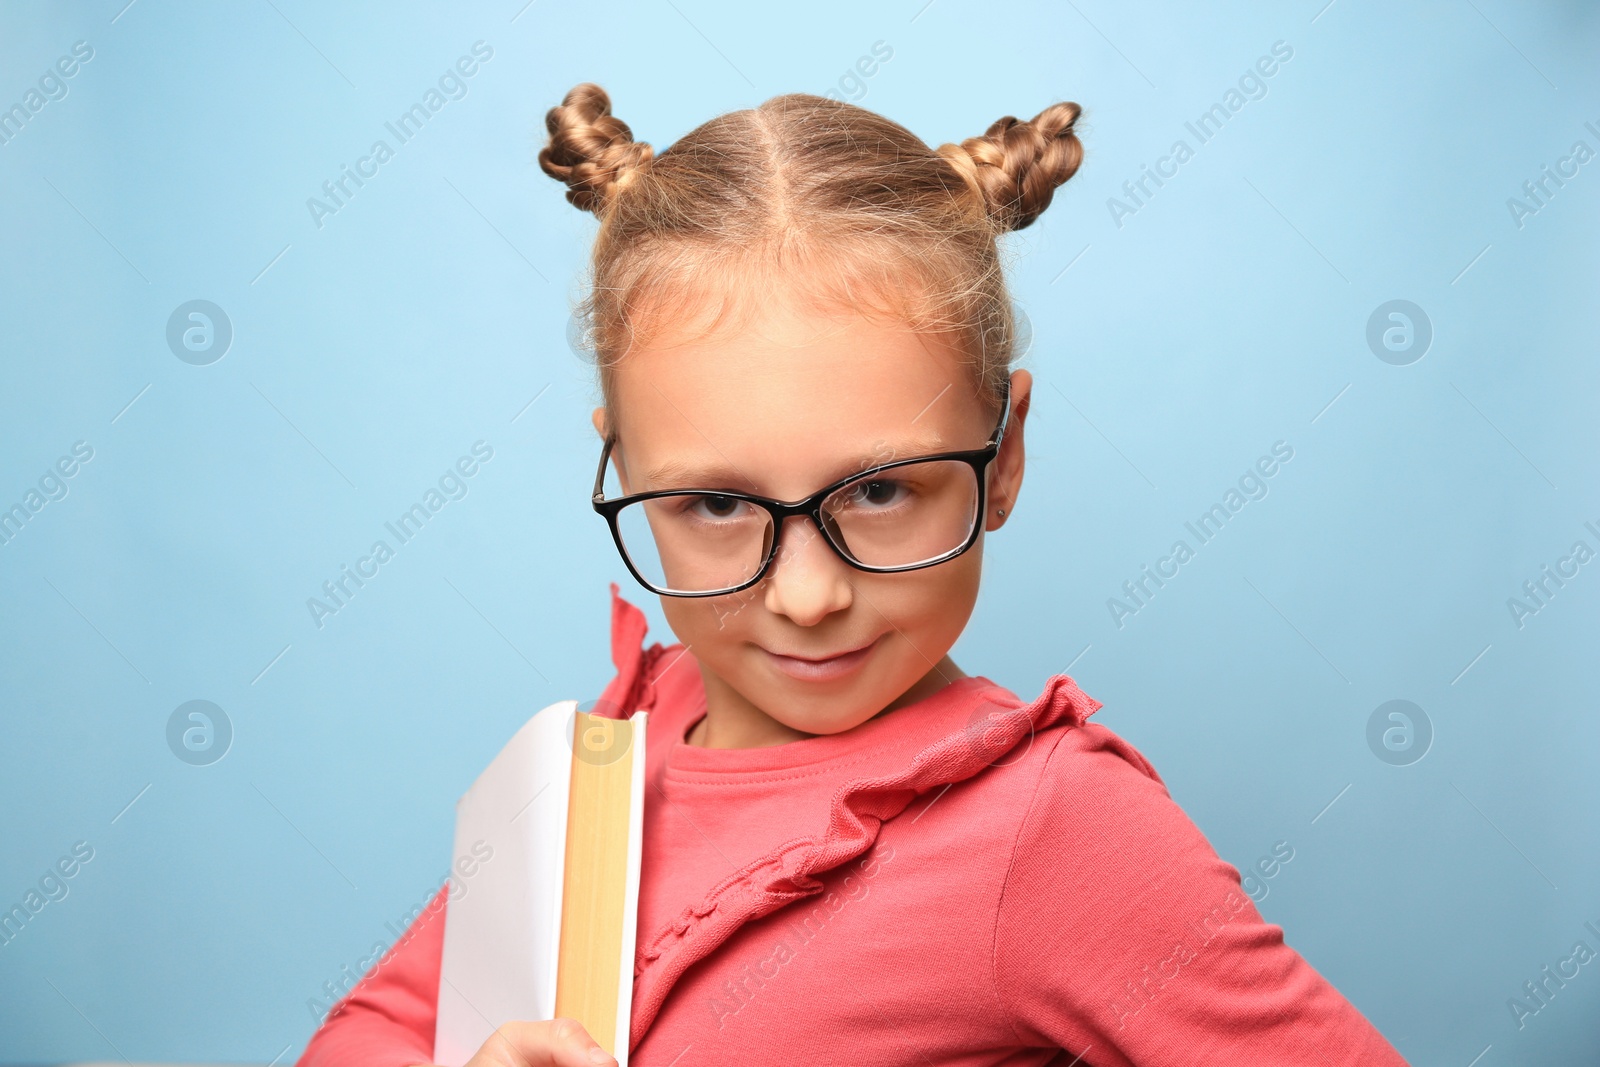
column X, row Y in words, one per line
column 1000, row 512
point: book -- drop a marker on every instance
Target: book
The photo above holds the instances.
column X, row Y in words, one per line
column 546, row 927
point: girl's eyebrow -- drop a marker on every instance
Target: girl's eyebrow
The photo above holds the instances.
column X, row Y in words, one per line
column 675, row 474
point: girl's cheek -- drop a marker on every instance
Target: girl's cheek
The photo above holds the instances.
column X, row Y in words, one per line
column 710, row 619
column 949, row 588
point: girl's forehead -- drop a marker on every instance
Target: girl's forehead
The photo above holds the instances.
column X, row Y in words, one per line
column 822, row 373
column 792, row 400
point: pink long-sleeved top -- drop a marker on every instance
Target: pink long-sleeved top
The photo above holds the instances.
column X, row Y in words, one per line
column 969, row 879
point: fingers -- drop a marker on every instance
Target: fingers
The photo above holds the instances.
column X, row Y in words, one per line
column 552, row 1043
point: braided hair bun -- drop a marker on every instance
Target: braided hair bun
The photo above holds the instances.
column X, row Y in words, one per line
column 591, row 149
column 1015, row 167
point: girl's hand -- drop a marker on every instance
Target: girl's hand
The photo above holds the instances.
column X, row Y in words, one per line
column 555, row 1043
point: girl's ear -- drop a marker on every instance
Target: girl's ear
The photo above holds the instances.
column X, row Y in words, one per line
column 600, row 422
column 1006, row 471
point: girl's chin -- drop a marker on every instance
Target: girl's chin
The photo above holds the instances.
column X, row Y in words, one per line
column 827, row 719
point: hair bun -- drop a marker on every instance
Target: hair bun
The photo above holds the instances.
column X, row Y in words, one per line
column 591, row 149
column 1017, row 166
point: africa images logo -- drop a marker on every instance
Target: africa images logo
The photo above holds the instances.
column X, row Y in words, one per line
column 199, row 332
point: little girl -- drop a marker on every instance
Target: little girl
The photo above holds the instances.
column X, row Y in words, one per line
column 853, row 851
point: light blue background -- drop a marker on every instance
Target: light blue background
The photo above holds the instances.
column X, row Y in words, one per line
column 369, row 353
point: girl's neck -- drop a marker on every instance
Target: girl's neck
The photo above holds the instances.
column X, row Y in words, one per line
column 731, row 721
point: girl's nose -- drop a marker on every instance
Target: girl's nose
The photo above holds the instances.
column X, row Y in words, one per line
column 808, row 581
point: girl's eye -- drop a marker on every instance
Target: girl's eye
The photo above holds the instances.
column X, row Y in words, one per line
column 876, row 493
column 714, row 508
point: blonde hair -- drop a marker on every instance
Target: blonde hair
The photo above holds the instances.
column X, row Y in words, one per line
column 816, row 195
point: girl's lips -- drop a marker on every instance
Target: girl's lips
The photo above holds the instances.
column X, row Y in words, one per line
column 822, row 670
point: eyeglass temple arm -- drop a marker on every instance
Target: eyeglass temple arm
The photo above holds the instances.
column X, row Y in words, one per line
column 600, row 474
column 1005, row 413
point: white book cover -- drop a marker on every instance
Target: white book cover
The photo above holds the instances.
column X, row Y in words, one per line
column 502, row 934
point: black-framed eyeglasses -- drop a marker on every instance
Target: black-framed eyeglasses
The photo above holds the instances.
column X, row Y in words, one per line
column 901, row 515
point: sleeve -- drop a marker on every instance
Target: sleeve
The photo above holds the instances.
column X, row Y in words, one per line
column 1122, row 936
column 387, row 1020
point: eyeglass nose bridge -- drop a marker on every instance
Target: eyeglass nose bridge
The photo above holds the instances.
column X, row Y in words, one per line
column 820, row 521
